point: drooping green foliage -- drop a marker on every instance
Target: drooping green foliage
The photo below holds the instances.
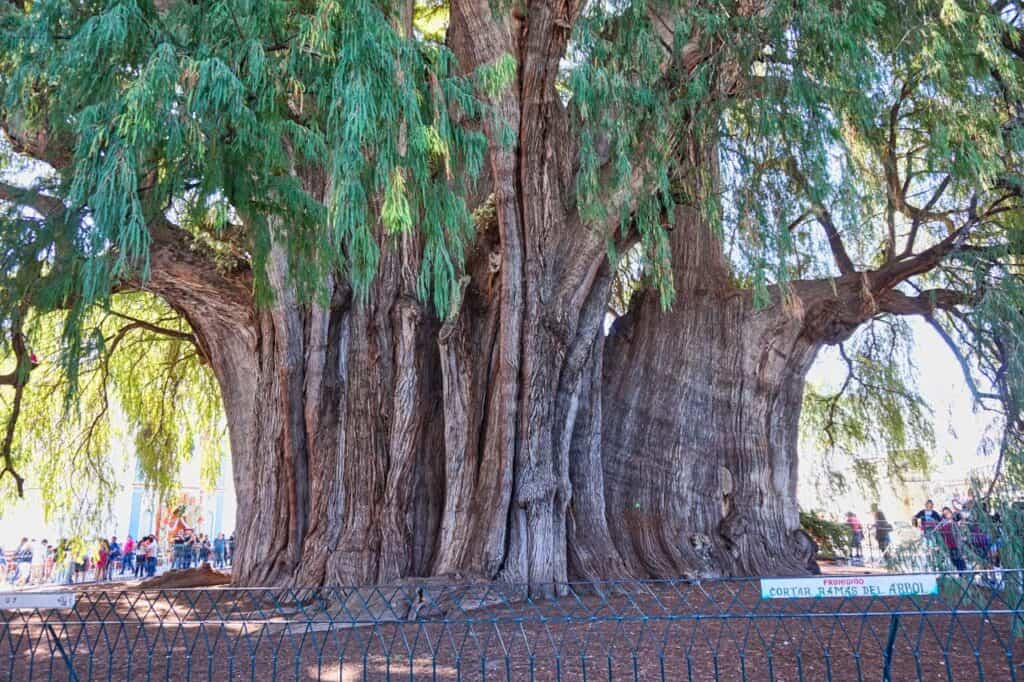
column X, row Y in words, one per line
column 853, row 99
column 144, row 395
column 876, row 418
column 896, row 127
column 298, row 119
column 319, row 127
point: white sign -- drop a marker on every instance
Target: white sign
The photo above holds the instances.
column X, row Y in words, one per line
column 850, row 586
column 10, row 601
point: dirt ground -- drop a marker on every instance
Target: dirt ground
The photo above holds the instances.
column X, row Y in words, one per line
column 627, row 631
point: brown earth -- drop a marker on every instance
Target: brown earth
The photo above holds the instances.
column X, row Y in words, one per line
column 627, row 631
column 201, row 576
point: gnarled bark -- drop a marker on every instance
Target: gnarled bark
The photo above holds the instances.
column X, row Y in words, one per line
column 701, row 413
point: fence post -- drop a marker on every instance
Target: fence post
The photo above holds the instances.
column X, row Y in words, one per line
column 894, row 625
column 72, row 676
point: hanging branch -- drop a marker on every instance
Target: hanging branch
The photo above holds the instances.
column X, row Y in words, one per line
column 18, row 378
column 830, row 423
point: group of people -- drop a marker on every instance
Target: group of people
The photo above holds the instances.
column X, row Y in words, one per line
column 882, row 530
column 40, row 562
column 962, row 532
column 31, row 562
column 137, row 559
column 192, row 549
column 955, row 529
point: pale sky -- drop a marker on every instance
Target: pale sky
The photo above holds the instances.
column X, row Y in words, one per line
column 959, row 429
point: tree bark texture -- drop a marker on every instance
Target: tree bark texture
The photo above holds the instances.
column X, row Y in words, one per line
column 700, row 415
column 363, row 432
column 700, row 419
column 510, row 440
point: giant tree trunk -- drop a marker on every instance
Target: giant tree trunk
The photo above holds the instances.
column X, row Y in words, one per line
column 373, row 441
column 337, row 441
column 700, row 417
column 363, row 439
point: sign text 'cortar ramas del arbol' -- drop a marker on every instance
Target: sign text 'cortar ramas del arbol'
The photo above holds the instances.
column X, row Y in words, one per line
column 850, row 586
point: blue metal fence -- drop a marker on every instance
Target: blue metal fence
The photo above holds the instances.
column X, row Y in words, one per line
column 433, row 630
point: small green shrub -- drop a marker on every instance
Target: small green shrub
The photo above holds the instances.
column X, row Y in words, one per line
column 832, row 538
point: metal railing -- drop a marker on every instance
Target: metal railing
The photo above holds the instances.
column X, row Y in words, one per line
column 433, row 630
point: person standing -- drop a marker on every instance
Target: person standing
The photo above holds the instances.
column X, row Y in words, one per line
column 927, row 518
column 219, row 549
column 204, row 550
column 948, row 529
column 113, row 558
column 151, row 557
column 979, row 543
column 856, row 536
column 128, row 559
column 178, row 551
column 38, row 561
column 231, row 550
column 81, row 564
column 883, row 531
column 35, row 570
column 23, row 561
column 102, row 560
column 65, row 562
column 140, row 557
column 49, row 562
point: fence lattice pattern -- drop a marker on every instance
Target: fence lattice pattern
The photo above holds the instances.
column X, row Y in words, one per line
column 666, row 630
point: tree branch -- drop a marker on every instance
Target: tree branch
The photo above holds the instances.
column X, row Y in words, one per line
column 38, row 144
column 897, row 271
column 156, row 329
column 915, row 224
column 19, row 380
column 835, row 241
column 830, row 423
column 898, row 303
column 965, row 366
column 896, row 190
column 42, row 203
